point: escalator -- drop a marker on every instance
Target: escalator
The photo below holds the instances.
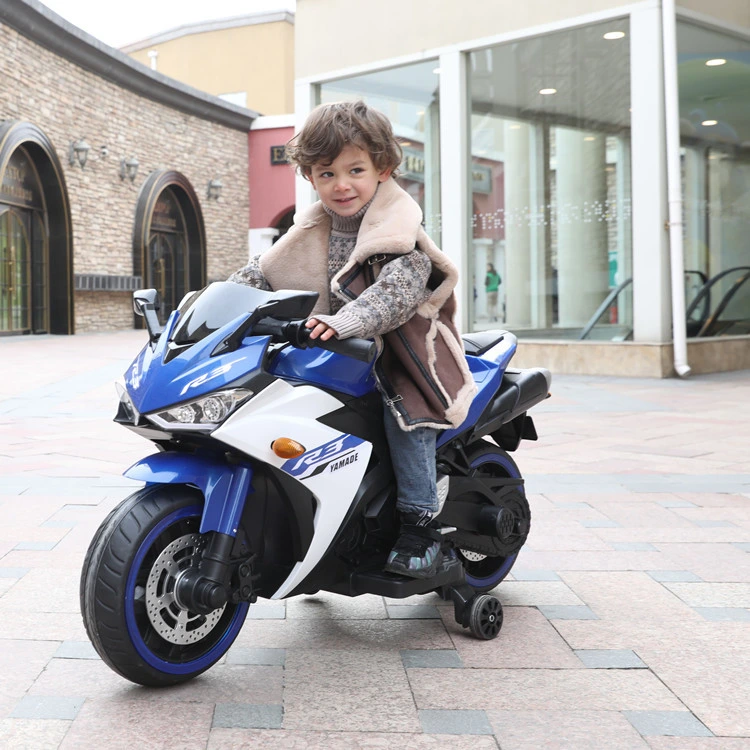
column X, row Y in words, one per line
column 719, row 306
column 606, row 331
column 722, row 305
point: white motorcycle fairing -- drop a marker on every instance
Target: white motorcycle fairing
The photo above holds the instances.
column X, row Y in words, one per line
column 331, row 468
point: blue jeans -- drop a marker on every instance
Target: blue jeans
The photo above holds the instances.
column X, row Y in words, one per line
column 413, row 459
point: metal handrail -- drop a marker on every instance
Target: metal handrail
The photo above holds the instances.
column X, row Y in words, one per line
column 725, row 300
column 602, row 308
column 613, row 294
column 705, row 291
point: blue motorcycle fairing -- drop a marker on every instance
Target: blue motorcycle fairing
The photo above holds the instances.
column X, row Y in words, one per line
column 327, row 369
column 487, row 370
column 224, row 487
column 155, row 384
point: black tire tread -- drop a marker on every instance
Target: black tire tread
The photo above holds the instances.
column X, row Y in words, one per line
column 105, row 568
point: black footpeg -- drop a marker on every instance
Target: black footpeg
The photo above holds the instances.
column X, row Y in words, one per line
column 450, row 573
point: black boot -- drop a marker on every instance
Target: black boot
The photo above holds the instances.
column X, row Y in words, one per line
column 417, row 552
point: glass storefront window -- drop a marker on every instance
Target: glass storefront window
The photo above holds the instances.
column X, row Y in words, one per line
column 550, row 177
column 408, row 96
column 714, row 81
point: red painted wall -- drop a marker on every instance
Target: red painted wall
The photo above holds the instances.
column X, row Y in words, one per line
column 271, row 186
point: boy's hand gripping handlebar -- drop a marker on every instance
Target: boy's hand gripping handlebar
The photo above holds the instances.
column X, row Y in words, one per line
column 296, row 334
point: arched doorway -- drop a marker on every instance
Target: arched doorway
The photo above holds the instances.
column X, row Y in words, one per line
column 35, row 236
column 284, row 223
column 169, row 245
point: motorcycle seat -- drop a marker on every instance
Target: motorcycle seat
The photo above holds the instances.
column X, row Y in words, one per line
column 479, row 342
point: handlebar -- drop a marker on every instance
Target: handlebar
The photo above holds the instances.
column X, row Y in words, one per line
column 296, row 334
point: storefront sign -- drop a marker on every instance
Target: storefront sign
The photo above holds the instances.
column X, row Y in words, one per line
column 412, row 165
column 413, row 168
column 19, row 185
column 481, row 178
column 278, row 155
column 166, row 216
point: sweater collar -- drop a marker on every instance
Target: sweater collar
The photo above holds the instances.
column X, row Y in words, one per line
column 347, row 224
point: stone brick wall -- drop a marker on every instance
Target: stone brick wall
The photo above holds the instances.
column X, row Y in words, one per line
column 69, row 103
column 103, row 311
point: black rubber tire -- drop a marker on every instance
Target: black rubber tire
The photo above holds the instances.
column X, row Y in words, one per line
column 486, row 575
column 485, row 617
column 113, row 591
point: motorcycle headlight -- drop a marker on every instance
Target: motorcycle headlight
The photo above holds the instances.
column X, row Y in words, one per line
column 203, row 414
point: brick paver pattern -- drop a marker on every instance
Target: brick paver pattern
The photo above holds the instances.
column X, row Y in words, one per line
column 627, row 616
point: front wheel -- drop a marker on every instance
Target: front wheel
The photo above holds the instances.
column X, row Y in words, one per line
column 127, row 590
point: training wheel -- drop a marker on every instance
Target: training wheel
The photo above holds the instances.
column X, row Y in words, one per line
column 485, row 617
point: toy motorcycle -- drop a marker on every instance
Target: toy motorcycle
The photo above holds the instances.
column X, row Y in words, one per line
column 273, row 479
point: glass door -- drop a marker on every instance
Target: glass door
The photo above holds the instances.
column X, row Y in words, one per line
column 15, row 272
column 162, row 271
column 166, row 263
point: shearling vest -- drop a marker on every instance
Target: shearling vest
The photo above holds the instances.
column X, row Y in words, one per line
column 422, row 369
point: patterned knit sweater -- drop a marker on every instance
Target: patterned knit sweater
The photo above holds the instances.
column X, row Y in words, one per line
column 392, row 300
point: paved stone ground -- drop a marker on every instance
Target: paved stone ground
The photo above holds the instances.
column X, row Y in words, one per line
column 627, row 616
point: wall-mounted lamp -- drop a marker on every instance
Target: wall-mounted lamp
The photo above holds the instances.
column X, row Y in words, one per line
column 78, row 152
column 214, row 190
column 128, row 168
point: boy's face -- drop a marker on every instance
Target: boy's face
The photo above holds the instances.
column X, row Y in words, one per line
column 349, row 182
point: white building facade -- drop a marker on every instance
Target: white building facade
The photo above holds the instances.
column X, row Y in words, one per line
column 535, row 139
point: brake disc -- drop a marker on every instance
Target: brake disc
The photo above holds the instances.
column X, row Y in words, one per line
column 170, row 620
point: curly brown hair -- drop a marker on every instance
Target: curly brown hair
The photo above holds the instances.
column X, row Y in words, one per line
column 331, row 127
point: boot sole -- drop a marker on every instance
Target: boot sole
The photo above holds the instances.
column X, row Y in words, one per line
column 421, row 574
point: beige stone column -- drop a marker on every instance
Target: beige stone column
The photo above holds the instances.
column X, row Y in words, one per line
column 582, row 262
column 517, row 279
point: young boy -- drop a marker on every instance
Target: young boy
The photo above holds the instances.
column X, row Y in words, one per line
column 363, row 248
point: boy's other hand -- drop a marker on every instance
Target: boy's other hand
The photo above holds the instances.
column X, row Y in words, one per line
column 320, row 329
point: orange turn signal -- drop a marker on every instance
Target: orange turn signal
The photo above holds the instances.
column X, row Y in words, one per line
column 287, row 448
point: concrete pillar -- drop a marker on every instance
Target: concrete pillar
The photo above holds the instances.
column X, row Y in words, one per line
column 517, row 278
column 454, row 174
column 652, row 299
column 623, row 250
column 582, row 260
column 304, row 102
column 432, row 172
column 695, row 211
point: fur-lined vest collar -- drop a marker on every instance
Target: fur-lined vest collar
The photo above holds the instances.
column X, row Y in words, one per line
column 392, row 225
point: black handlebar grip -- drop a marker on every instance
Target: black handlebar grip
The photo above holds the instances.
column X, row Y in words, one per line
column 298, row 335
column 361, row 349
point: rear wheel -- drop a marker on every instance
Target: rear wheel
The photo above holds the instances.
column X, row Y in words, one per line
column 127, row 590
column 485, row 571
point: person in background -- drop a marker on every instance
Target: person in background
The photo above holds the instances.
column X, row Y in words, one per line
column 491, row 284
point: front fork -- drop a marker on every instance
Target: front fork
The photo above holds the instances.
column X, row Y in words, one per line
column 213, row 582
column 209, row 585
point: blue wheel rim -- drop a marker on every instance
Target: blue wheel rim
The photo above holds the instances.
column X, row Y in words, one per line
column 216, row 651
column 498, row 575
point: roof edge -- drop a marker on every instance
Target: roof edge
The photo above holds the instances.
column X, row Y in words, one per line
column 41, row 25
column 268, row 122
column 201, row 27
